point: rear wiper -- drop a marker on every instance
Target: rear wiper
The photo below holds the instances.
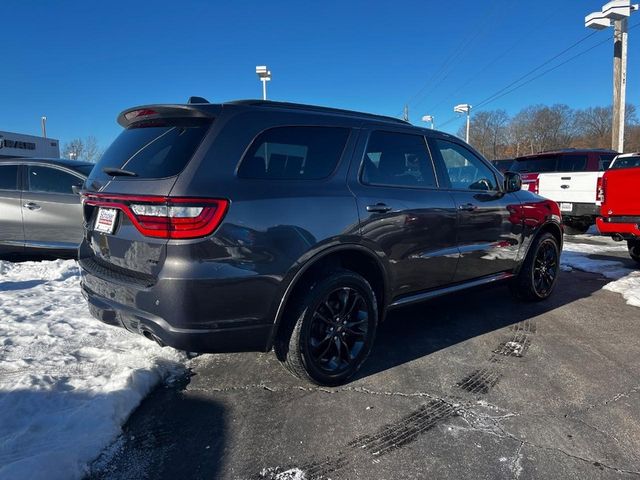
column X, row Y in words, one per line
column 119, row 172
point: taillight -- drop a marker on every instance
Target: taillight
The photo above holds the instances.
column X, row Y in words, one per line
column 600, row 190
column 536, row 186
column 166, row 217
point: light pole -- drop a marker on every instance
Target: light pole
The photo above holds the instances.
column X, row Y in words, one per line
column 464, row 108
column 264, row 74
column 616, row 13
column 43, row 124
column 430, row 118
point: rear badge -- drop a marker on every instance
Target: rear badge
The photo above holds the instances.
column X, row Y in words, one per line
column 106, row 220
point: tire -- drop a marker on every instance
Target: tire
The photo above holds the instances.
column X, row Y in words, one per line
column 540, row 269
column 634, row 249
column 317, row 346
column 576, row 228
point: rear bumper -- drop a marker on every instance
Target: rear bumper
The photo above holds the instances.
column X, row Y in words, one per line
column 609, row 226
column 581, row 210
column 219, row 340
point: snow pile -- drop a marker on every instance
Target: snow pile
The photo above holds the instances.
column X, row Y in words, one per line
column 67, row 382
column 626, row 281
column 276, row 473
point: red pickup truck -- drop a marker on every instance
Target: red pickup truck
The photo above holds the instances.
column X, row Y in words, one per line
column 619, row 193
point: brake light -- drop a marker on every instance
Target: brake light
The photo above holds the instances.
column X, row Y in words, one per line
column 166, row 217
column 144, row 112
column 536, row 185
column 600, row 190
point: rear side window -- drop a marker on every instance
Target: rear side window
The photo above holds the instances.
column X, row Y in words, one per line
column 572, row 163
column 51, row 180
column 605, row 161
column 290, row 153
column 535, row 164
column 626, row 162
column 397, row 159
column 8, row 177
column 154, row 150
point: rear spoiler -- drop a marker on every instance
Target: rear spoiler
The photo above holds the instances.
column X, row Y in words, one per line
column 154, row 112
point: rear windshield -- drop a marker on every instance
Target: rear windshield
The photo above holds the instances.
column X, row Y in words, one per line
column 626, row 162
column 154, row 150
column 83, row 169
column 535, row 164
column 605, row 161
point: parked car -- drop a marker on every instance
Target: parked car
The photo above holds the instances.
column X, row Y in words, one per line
column 254, row 225
column 569, row 177
column 39, row 212
column 620, row 197
column 503, row 164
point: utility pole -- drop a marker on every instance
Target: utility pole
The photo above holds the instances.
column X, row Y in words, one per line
column 405, row 113
column 616, row 13
column 619, row 83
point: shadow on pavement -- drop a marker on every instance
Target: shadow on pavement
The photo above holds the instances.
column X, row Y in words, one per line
column 170, row 435
column 418, row 330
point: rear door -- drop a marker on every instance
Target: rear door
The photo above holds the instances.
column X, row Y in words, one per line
column 51, row 211
column 403, row 212
column 11, row 230
column 487, row 238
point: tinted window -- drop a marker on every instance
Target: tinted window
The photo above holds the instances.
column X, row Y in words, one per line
column 8, row 177
column 465, row 170
column 626, row 162
column 605, row 161
column 572, row 163
column 51, row 180
column 535, row 164
column 83, row 169
column 294, row 153
column 154, row 150
column 397, row 159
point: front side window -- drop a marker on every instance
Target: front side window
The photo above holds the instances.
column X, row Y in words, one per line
column 465, row 170
column 397, row 159
column 51, row 180
column 8, row 177
column 294, row 153
column 572, row 163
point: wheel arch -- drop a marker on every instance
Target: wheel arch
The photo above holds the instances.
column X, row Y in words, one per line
column 354, row 257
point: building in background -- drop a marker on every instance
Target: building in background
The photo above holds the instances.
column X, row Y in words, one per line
column 20, row 145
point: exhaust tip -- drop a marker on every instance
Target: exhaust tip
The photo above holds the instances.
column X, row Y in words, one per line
column 617, row 237
column 149, row 335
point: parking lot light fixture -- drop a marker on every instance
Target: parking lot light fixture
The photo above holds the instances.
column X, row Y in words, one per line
column 429, row 118
column 464, row 108
column 616, row 13
column 264, row 74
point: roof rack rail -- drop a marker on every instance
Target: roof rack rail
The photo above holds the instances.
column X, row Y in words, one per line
column 317, row 108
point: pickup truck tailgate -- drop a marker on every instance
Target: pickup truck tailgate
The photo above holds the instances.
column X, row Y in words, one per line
column 574, row 187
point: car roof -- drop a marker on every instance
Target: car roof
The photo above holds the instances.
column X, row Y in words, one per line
column 63, row 162
column 211, row 110
column 627, row 155
column 566, row 150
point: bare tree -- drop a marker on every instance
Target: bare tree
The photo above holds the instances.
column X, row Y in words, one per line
column 79, row 149
column 488, row 132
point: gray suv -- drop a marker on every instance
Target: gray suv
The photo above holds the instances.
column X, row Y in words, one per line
column 256, row 225
column 39, row 211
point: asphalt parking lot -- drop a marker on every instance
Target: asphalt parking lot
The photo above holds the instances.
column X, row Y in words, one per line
column 470, row 386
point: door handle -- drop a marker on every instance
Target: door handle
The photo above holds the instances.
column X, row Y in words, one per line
column 467, row 207
column 32, row 206
column 378, row 208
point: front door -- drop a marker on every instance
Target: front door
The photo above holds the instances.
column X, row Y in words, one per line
column 52, row 212
column 488, row 238
column 402, row 211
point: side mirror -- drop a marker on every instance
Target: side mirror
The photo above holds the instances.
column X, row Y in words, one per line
column 512, row 182
column 76, row 188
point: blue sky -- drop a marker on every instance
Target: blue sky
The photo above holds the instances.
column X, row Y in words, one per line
column 81, row 63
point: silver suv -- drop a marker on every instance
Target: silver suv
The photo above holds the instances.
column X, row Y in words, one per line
column 39, row 211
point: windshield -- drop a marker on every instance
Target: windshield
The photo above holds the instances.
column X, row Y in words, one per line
column 535, row 164
column 626, row 162
column 154, row 150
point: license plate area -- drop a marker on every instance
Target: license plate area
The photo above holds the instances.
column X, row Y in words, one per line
column 566, row 207
column 106, row 220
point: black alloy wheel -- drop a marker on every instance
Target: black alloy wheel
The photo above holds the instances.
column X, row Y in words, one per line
column 545, row 268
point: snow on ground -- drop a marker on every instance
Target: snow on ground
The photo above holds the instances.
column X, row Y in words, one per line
column 598, row 258
column 67, row 382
